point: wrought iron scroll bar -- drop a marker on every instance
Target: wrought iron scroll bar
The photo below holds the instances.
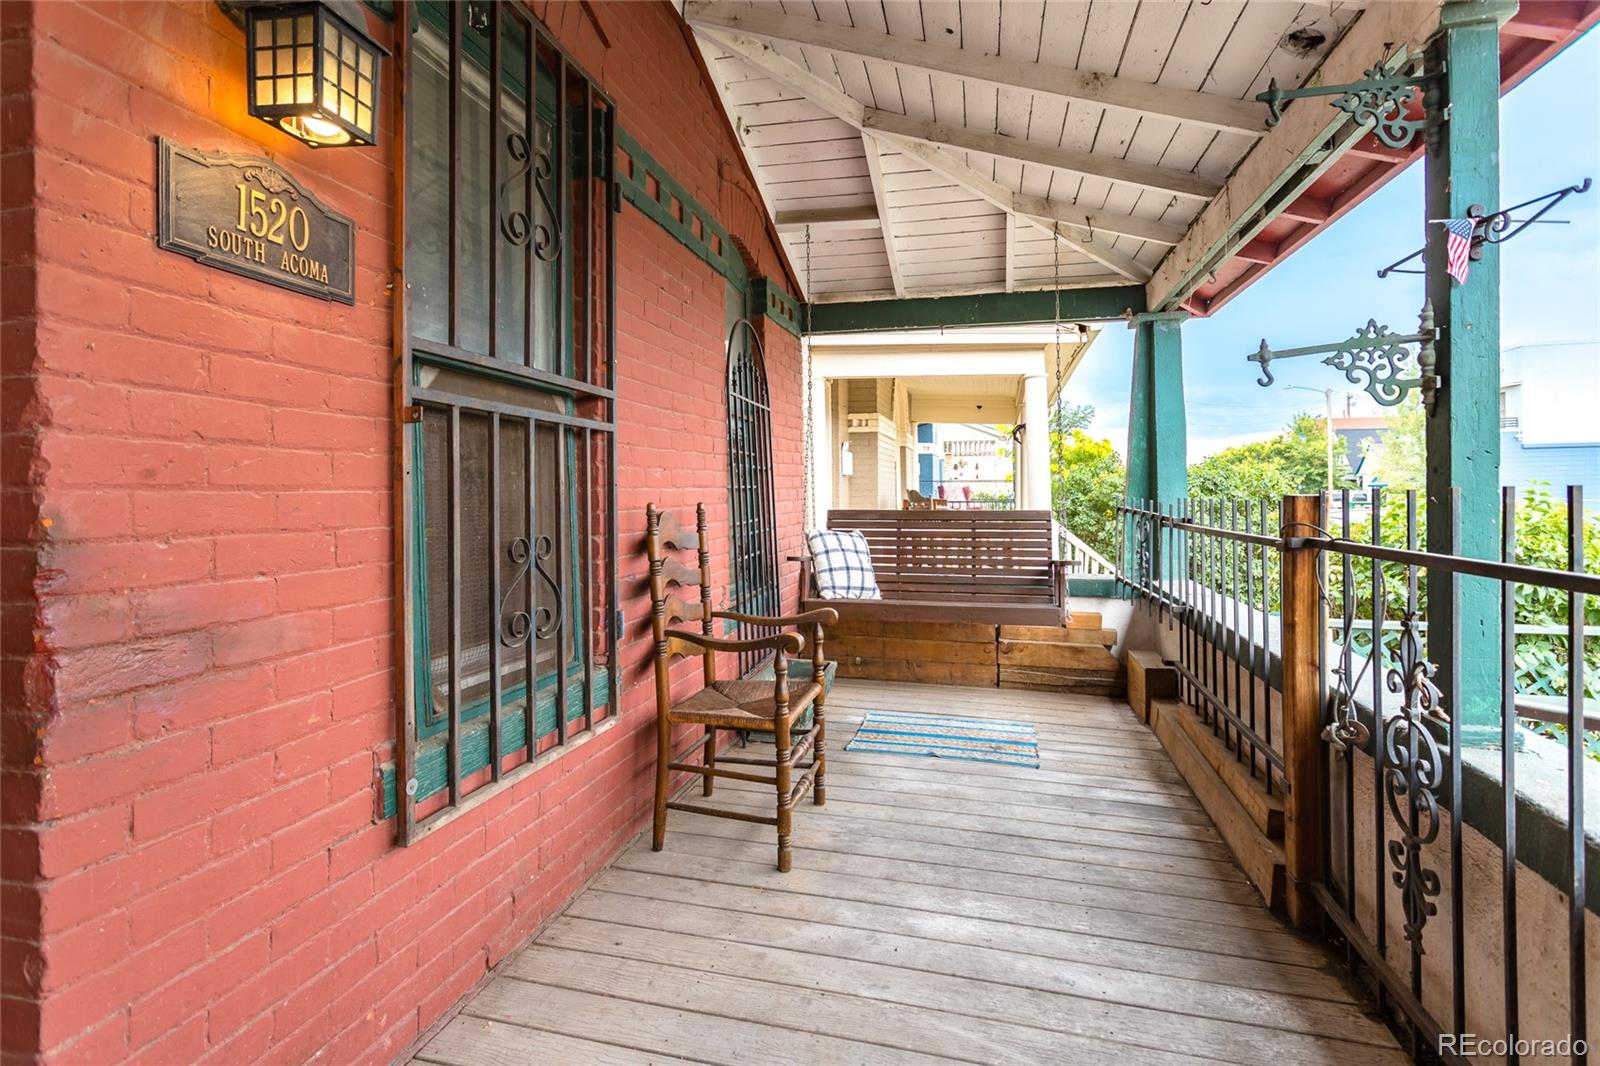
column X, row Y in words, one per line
column 1379, row 101
column 1499, row 227
column 1382, row 358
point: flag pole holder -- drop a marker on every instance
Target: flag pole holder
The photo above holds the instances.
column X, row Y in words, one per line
column 1386, row 365
column 1498, row 227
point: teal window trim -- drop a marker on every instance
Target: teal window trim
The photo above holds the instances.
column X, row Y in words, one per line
column 432, row 768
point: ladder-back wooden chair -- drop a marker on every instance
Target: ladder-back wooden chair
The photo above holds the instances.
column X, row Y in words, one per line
column 758, row 705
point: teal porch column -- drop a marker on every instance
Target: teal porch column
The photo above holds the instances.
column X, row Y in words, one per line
column 1463, row 429
column 1158, row 449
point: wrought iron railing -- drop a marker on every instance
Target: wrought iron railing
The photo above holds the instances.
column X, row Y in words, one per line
column 1211, row 569
column 1401, row 792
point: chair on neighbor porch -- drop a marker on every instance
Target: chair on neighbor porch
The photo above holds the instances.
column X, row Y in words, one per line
column 758, row 705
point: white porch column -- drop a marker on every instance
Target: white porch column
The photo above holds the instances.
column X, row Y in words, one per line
column 1035, row 444
column 821, row 472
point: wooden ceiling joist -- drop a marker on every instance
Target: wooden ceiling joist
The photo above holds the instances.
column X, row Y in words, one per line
column 1047, row 215
column 1102, row 90
column 869, row 144
column 1159, row 179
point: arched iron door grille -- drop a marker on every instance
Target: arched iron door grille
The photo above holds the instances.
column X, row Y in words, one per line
column 753, row 545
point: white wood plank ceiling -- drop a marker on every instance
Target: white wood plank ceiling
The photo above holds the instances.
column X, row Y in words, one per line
column 959, row 146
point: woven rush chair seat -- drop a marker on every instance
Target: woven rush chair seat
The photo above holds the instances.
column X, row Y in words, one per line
column 743, row 705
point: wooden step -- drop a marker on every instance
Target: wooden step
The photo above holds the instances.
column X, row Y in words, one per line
column 1262, row 859
column 929, row 672
column 1149, row 678
column 1264, row 810
column 1047, row 679
column 1046, row 664
column 1068, row 634
column 951, row 632
column 844, row 648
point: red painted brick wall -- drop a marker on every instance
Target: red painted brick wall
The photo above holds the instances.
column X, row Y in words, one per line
column 197, row 576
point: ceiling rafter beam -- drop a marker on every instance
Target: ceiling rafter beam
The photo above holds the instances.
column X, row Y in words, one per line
column 1043, row 214
column 1157, row 179
column 1011, row 254
column 1103, row 90
column 869, row 144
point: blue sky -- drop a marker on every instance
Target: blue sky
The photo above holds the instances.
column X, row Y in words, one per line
column 1550, row 137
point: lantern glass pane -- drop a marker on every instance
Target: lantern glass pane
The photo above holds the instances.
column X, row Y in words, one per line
column 303, row 92
column 302, row 61
column 302, row 30
column 364, row 119
column 347, row 51
column 264, row 33
column 365, row 64
column 263, row 91
column 330, row 96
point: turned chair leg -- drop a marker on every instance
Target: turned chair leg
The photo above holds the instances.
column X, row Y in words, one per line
column 663, row 757
column 782, row 757
column 710, row 759
column 819, row 753
column 785, row 808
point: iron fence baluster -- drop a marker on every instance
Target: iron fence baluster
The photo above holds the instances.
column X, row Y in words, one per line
column 1577, row 959
column 494, row 596
column 1380, row 893
column 454, row 738
column 1508, row 770
column 1457, row 722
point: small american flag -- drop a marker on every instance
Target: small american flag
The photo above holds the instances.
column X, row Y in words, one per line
column 1458, row 246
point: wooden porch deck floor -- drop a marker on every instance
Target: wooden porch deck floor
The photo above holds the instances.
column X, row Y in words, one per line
column 1084, row 912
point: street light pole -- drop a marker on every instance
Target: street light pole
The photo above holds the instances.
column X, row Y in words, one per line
column 1327, row 424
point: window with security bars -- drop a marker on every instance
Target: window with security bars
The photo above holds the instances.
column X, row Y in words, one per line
column 753, row 544
column 509, row 372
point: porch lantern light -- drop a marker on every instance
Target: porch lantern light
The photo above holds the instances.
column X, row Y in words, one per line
column 312, row 73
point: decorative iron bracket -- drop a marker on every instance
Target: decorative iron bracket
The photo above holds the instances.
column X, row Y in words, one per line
column 1377, row 101
column 1499, row 227
column 1384, row 359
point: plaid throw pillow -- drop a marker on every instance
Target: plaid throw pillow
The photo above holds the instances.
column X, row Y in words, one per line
column 843, row 565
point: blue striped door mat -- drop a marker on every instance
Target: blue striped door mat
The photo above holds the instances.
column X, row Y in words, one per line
column 943, row 737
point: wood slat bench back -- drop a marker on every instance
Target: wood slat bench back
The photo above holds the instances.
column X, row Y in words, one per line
column 960, row 557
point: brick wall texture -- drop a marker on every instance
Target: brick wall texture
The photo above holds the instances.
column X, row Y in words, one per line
column 198, row 580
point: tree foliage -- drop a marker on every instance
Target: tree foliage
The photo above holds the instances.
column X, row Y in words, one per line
column 1400, row 455
column 1087, row 481
column 1295, row 461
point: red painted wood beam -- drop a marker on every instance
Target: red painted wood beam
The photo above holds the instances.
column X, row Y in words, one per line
column 1308, row 209
column 1527, row 42
column 1258, row 251
column 1547, row 21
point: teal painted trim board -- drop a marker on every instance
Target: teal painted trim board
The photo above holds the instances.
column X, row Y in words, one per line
column 771, row 300
column 648, row 185
column 982, row 309
column 432, row 761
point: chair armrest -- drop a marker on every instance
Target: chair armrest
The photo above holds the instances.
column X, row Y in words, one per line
column 822, row 615
column 782, row 642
